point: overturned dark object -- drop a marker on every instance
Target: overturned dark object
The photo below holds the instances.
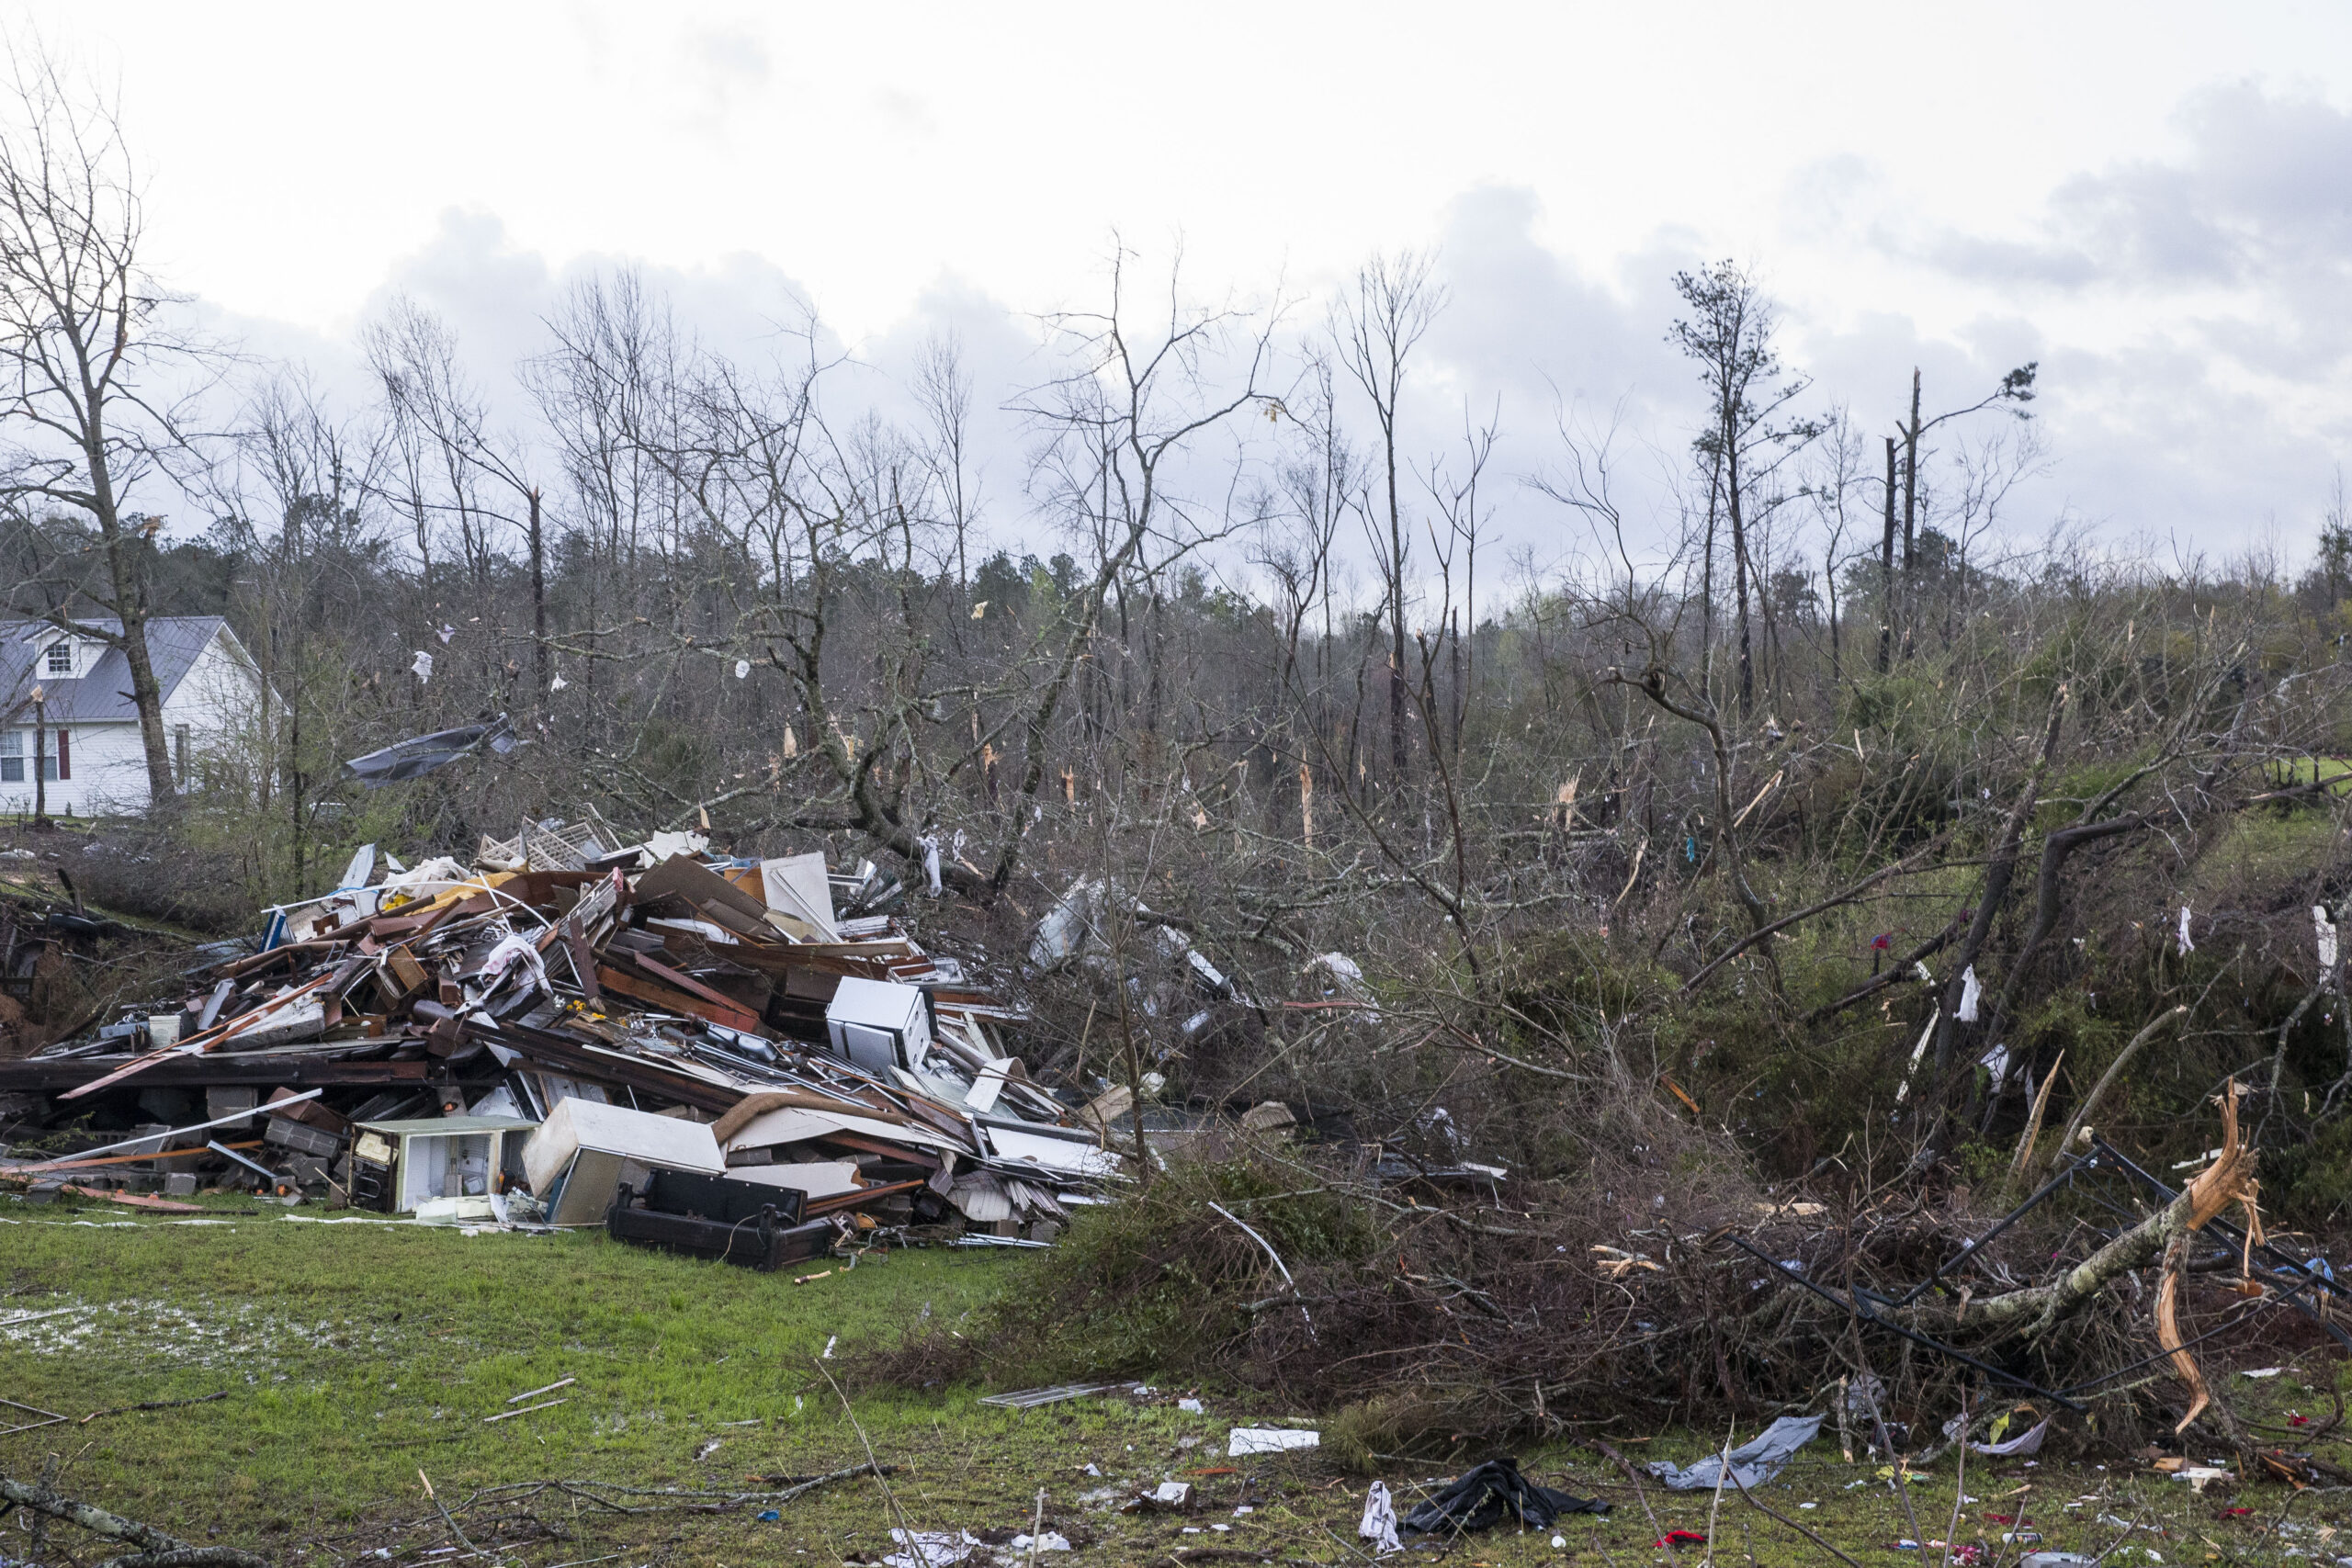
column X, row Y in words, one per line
column 419, row 754
column 765, row 1239
column 1490, row 1493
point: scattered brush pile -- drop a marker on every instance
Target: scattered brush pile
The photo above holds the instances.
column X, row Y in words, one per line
column 1659, row 1286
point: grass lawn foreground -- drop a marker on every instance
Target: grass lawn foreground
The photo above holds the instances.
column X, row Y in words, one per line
column 354, row 1356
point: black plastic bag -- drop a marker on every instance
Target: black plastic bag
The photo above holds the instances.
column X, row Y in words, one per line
column 1492, row 1492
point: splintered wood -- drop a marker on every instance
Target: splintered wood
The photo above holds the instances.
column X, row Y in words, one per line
column 2229, row 1179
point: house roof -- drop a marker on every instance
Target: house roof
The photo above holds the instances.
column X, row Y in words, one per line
column 174, row 643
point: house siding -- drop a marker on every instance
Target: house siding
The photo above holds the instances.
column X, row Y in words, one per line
column 214, row 701
column 109, row 768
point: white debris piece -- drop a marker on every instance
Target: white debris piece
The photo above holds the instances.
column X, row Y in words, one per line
column 930, row 1549
column 1996, row 1062
column 1269, row 1440
column 1972, row 991
column 2323, row 931
column 2187, row 946
column 1379, row 1523
column 423, row 666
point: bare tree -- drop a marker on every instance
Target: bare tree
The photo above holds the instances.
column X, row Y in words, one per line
column 1833, row 485
column 1376, row 330
column 96, row 382
column 2015, row 392
column 451, row 466
column 1454, row 492
column 943, row 386
column 1729, row 336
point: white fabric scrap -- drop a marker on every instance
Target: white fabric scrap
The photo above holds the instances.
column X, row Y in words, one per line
column 1971, row 992
column 930, row 1549
column 1919, row 1053
column 1379, row 1524
column 2187, row 946
column 2323, row 931
column 930, row 843
column 1754, row 1462
column 1996, row 1062
column 508, row 953
column 446, row 633
column 422, row 667
column 2028, row 1443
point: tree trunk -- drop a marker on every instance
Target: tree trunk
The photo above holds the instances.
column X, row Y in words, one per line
column 1999, row 871
column 1911, row 517
column 1707, row 575
column 1886, row 572
column 129, row 587
column 539, row 598
column 1739, row 575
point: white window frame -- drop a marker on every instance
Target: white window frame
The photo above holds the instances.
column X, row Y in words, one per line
column 55, row 665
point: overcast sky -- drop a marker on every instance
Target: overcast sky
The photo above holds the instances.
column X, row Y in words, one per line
column 2153, row 201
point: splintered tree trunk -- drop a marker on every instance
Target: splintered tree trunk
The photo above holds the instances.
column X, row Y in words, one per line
column 2031, row 1312
column 1886, row 572
column 1739, row 586
column 1911, row 518
column 539, row 598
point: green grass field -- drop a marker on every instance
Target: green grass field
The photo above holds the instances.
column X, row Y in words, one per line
column 353, row 1357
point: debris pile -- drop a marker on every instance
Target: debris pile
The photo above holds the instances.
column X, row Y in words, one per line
column 1662, row 1275
column 712, row 1054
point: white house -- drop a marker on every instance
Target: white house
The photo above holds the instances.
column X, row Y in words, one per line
column 89, row 752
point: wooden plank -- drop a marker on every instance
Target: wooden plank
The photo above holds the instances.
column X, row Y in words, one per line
column 838, row 1202
column 199, row 1071
column 70, row 1164
column 686, row 983
column 662, row 996
column 558, row 1054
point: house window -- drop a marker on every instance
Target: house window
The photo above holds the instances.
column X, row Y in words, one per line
column 60, row 658
column 56, row 755
column 12, row 756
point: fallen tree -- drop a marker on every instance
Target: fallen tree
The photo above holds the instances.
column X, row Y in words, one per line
column 157, row 1550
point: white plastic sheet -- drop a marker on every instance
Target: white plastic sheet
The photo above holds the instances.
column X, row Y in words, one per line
column 1379, row 1523
column 1754, row 1462
column 2025, row 1444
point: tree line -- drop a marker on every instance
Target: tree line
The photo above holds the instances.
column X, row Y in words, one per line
column 1694, row 793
